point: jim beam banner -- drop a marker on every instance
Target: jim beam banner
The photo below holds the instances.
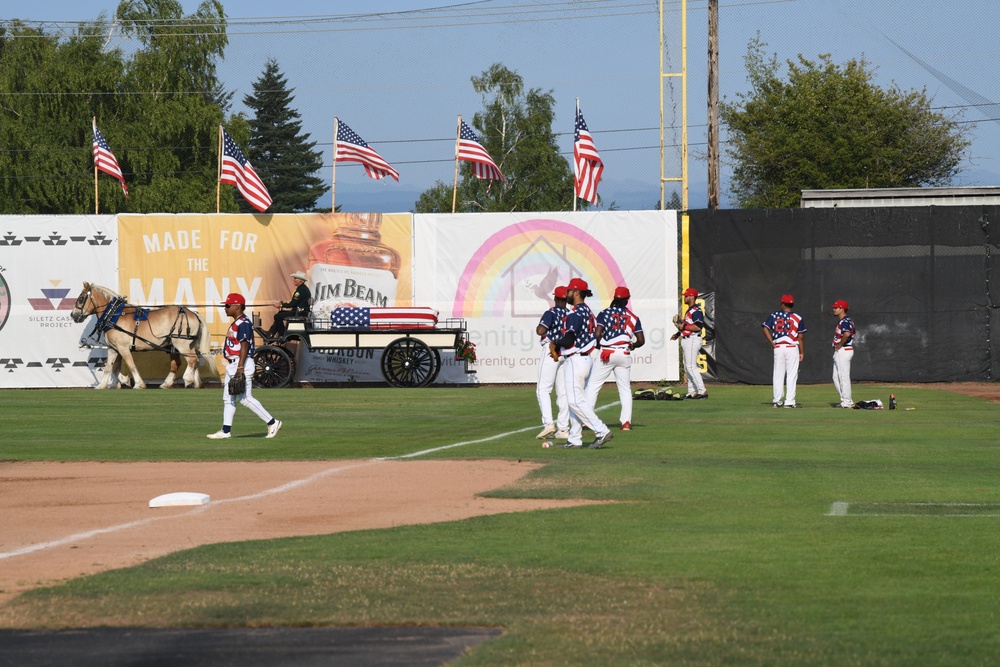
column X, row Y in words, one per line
column 44, row 261
column 196, row 260
column 706, row 358
column 498, row 272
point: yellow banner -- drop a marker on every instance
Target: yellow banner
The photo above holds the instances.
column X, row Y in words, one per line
column 196, row 260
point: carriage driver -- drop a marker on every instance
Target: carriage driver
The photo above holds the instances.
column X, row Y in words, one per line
column 238, row 352
column 298, row 306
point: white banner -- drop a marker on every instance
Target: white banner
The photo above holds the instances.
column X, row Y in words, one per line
column 44, row 261
column 498, row 272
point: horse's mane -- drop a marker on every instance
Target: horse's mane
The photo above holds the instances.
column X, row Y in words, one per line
column 106, row 292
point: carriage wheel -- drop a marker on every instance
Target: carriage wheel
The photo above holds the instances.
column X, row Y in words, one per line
column 408, row 362
column 275, row 367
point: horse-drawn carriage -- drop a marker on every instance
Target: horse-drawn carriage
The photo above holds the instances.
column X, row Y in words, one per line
column 410, row 339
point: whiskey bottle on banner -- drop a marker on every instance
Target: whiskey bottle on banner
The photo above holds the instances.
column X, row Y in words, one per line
column 353, row 268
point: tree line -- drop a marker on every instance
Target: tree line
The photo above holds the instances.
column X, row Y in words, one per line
column 160, row 105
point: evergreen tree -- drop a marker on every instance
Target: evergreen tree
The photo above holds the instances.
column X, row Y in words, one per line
column 282, row 155
column 516, row 129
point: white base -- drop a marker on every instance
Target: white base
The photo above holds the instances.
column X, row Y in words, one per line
column 179, row 499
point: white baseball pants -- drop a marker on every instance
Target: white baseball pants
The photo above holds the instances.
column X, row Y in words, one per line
column 786, row 373
column 548, row 370
column 580, row 411
column 690, row 347
column 842, row 375
column 619, row 363
column 229, row 402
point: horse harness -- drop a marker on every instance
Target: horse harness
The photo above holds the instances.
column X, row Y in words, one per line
column 115, row 308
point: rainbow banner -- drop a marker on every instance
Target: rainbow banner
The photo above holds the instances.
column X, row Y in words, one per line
column 498, row 271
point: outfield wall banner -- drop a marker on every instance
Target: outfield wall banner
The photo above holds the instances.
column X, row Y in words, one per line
column 197, row 259
column 498, row 272
column 44, row 261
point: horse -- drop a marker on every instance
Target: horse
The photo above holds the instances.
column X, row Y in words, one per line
column 177, row 330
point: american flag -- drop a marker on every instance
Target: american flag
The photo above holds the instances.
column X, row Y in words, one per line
column 588, row 163
column 384, row 318
column 352, row 148
column 471, row 150
column 237, row 170
column 105, row 160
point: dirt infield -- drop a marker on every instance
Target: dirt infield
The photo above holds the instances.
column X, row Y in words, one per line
column 65, row 520
column 988, row 390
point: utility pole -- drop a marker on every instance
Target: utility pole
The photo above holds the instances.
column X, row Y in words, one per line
column 713, row 104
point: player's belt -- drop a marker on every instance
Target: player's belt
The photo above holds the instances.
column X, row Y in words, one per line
column 786, row 344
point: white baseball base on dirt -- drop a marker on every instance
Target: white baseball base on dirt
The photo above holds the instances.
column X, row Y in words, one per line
column 179, row 499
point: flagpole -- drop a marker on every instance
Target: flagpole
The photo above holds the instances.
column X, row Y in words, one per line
column 458, row 138
column 218, row 173
column 575, row 166
column 94, row 129
column 333, row 177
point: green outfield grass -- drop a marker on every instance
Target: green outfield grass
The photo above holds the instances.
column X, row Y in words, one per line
column 721, row 551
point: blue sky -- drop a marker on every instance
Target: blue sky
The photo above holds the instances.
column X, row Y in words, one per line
column 400, row 80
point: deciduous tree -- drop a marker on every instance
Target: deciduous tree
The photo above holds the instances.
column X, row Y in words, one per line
column 830, row 127
column 515, row 127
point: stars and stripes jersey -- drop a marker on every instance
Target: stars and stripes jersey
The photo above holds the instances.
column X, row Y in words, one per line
column 693, row 316
column 240, row 330
column 619, row 326
column 844, row 331
column 785, row 327
column 583, row 324
column 552, row 320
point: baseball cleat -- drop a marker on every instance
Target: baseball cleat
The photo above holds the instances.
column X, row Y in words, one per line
column 775, row 405
column 570, row 445
column 601, row 440
column 272, row 430
column 219, row 435
column 705, row 395
column 562, row 434
column 792, row 405
column 627, row 426
column 549, row 429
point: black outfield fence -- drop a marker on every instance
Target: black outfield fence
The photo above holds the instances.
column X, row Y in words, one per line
column 920, row 282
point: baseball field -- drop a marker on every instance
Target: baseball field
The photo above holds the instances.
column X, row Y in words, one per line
column 717, row 532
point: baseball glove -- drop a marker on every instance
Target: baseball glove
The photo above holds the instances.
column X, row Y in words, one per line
column 679, row 321
column 237, row 384
column 554, row 351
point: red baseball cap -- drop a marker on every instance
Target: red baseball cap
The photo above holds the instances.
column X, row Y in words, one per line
column 788, row 299
column 578, row 284
column 840, row 303
column 622, row 293
column 234, row 298
column 690, row 291
column 560, row 292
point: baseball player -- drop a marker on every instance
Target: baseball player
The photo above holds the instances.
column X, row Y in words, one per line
column 550, row 328
column 619, row 331
column 238, row 351
column 784, row 331
column 575, row 347
column 843, row 352
column 689, row 331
